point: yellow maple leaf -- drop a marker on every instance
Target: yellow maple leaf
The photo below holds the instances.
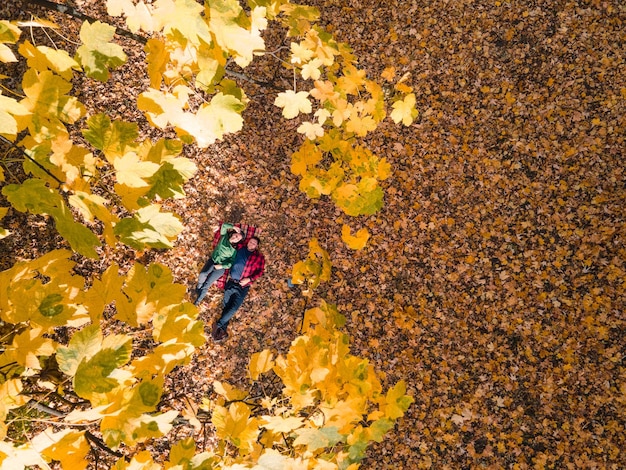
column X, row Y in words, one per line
column 403, row 88
column 43, row 58
column 260, row 362
column 343, row 413
column 324, row 91
column 68, row 447
column 404, row 110
column 279, row 424
column 157, row 58
column 138, row 16
column 389, row 73
column 375, row 106
column 357, row 241
column 300, row 54
column 396, row 402
column 92, row 205
column 352, row 80
column 211, row 122
column 10, row 33
column 308, row 155
column 322, row 48
column 312, row 130
column 322, row 115
column 222, row 115
column 131, row 171
column 293, row 103
column 182, row 16
column 227, row 21
column 311, row 69
column 46, row 97
column 12, row 117
column 28, row 345
column 162, row 108
column 343, row 110
column 383, row 170
column 360, row 125
column 235, row 424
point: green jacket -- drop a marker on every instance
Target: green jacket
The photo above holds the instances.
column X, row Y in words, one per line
column 224, row 253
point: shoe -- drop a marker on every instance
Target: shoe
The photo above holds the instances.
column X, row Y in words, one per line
column 196, row 296
column 218, row 334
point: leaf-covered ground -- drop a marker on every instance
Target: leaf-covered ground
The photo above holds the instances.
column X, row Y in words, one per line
column 495, row 275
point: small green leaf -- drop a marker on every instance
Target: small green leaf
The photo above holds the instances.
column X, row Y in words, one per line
column 167, row 182
column 111, row 138
column 149, row 227
column 379, row 428
column 83, row 345
column 79, row 237
column 97, row 54
column 51, row 305
column 312, row 438
column 92, row 375
column 363, row 198
column 150, row 394
column 34, row 196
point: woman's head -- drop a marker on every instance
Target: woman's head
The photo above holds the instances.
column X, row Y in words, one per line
column 234, row 236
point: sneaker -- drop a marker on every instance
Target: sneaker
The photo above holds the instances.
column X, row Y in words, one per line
column 219, row 334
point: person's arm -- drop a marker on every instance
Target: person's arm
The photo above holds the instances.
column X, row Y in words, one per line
column 225, row 227
column 256, row 271
column 222, row 230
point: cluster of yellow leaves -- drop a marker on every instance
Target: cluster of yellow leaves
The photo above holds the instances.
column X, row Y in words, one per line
column 312, row 271
column 330, row 399
column 186, row 56
column 144, row 171
column 123, row 392
column 348, row 106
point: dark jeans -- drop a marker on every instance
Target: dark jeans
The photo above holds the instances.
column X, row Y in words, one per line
column 207, row 277
column 234, row 295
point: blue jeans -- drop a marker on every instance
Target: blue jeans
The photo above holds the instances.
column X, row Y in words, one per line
column 234, row 295
column 206, row 279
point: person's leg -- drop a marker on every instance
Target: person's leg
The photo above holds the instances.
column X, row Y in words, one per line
column 206, row 279
column 204, row 273
column 234, row 295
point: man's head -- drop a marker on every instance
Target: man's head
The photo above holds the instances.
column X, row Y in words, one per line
column 253, row 243
column 235, row 237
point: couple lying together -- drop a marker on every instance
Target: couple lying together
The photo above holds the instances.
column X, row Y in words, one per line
column 234, row 265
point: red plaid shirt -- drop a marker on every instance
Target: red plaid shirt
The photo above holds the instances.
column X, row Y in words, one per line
column 255, row 264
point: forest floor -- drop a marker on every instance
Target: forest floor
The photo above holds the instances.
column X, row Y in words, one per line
column 494, row 279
